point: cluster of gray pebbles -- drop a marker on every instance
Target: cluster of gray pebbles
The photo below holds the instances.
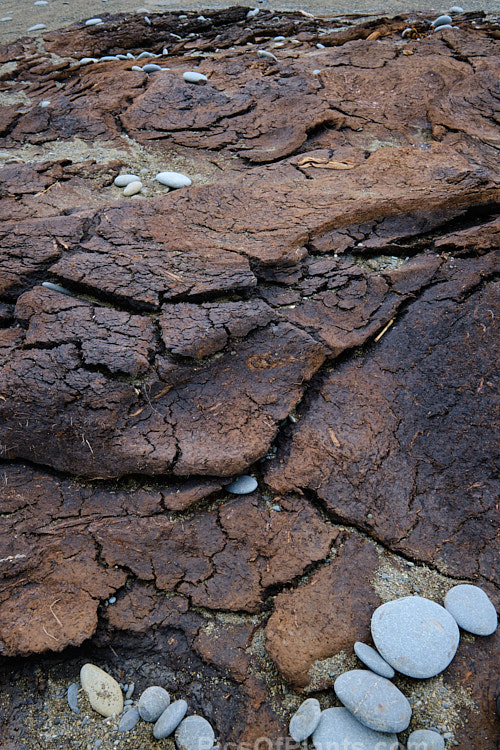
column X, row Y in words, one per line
column 132, row 184
column 414, row 636
column 108, row 698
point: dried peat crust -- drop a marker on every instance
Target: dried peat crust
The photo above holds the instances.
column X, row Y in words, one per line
column 319, row 308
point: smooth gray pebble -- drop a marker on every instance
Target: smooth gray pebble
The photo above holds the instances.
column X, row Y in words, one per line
column 243, row 485
column 72, row 697
column 153, row 702
column 129, row 720
column 170, row 719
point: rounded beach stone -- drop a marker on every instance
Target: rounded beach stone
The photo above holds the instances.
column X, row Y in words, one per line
column 472, row 609
column 151, row 67
column 425, row 739
column 194, row 733
column 170, row 719
column 442, row 20
column 243, row 485
column 153, row 703
column 72, row 696
column 102, row 690
column 305, row 720
column 37, row 27
column 190, row 76
column 125, row 179
column 418, row 637
column 129, row 720
column 131, row 189
column 373, row 700
column 93, row 22
column 373, row 660
column 337, row 725
column 457, row 9
column 173, row 179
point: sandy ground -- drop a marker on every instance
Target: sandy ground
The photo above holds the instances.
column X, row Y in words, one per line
column 60, row 13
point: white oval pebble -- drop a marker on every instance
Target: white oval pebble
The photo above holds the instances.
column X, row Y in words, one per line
column 444, row 26
column 373, row 660
column 45, row 103
column 472, row 609
column 87, row 60
column 130, row 56
column 316, row 72
column 145, row 54
column 279, row 38
column 41, row 2
column 37, row 27
column 305, row 720
column 153, row 703
column 418, row 637
column 122, row 57
column 132, row 188
column 190, row 76
column 137, row 68
column 108, row 58
column 173, row 179
column 243, row 485
column 129, row 720
column 253, row 13
column 170, row 719
column 130, row 690
column 425, row 739
column 6, row 18
column 56, row 288
column 93, row 21
column 194, row 733
column 151, row 67
column 442, row 21
column 102, row 690
column 457, row 9
column 265, row 53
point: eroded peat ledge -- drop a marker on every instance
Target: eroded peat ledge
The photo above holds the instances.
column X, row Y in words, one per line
column 318, row 308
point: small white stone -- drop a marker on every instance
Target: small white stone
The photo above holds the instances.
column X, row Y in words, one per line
column 102, row 690
column 144, row 54
column 37, row 27
column 320, row 46
column 253, row 13
column 125, row 179
column 87, row 60
column 164, row 51
column 316, row 72
column 279, row 39
column 265, row 53
column 41, row 2
column 151, row 67
column 132, row 188
column 147, row 20
column 130, row 56
column 173, row 179
column 457, row 9
column 443, row 20
column 5, row 19
column 190, row 76
column 137, row 68
column 425, row 739
column 93, row 22
column 45, row 103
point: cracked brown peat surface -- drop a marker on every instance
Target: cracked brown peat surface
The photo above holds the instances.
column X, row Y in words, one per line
column 318, row 308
